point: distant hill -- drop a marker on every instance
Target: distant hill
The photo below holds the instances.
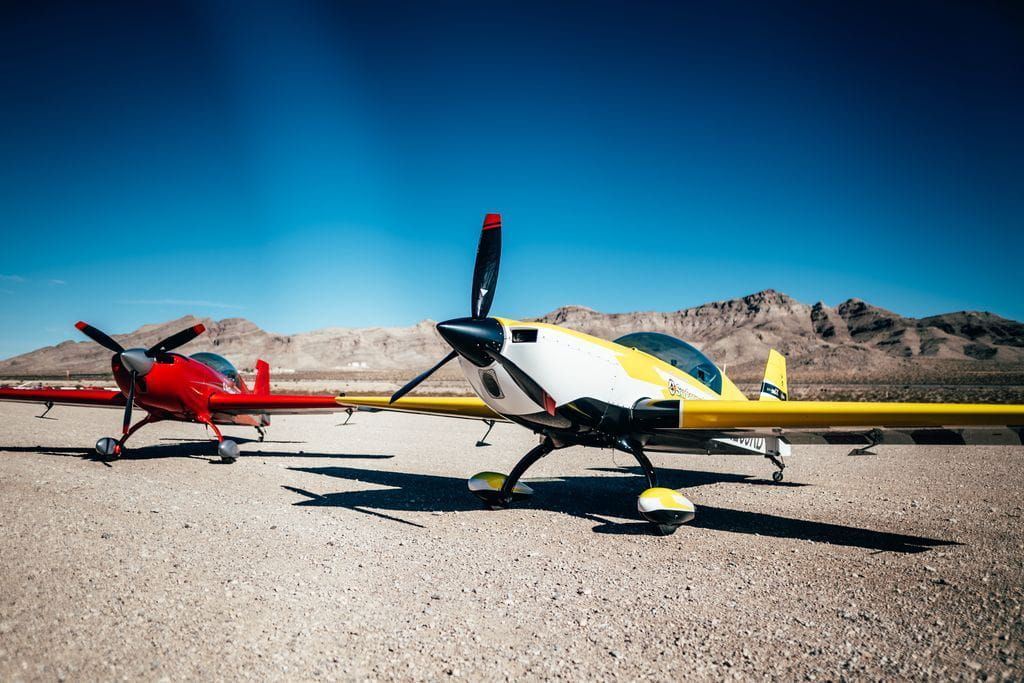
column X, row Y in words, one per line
column 738, row 332
column 735, row 333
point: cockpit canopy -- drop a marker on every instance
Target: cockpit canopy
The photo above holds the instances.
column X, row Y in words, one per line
column 676, row 353
column 218, row 363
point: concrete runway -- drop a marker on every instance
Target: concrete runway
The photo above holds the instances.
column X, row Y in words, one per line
column 357, row 552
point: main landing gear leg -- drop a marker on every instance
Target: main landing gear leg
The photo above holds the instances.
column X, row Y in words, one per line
column 226, row 448
column 483, row 439
column 109, row 448
column 497, row 490
column 262, row 433
column 49, row 407
column 874, row 438
column 666, row 509
column 637, row 451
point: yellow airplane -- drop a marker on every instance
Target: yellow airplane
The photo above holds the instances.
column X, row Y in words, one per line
column 651, row 392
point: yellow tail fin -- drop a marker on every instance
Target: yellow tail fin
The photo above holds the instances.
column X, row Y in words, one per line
column 774, row 387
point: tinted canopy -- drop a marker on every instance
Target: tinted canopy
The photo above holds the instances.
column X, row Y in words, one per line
column 218, row 363
column 676, row 353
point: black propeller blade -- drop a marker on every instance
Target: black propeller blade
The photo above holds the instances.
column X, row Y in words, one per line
column 128, row 406
column 175, row 340
column 485, row 279
column 420, row 377
column 99, row 337
column 485, row 272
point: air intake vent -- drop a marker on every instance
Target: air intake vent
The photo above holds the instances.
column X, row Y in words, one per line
column 490, row 382
column 527, row 336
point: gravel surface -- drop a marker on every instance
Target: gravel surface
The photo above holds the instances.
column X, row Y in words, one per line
column 356, row 552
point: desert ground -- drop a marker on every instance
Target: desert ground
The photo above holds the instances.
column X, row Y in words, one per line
column 356, row 552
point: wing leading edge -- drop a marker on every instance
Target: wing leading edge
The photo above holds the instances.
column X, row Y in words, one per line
column 675, row 425
column 107, row 398
column 819, row 414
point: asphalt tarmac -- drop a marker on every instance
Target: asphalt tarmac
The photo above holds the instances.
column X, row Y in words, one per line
column 356, row 552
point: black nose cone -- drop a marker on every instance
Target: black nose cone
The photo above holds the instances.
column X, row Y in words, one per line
column 474, row 339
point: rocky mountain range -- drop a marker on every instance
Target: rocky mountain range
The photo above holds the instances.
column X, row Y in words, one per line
column 736, row 333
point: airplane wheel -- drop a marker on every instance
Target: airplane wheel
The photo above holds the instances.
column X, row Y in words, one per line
column 228, row 451
column 487, row 487
column 107, row 448
column 666, row 509
column 777, row 476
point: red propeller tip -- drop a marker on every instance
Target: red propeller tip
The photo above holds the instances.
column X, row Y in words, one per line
column 492, row 220
column 81, row 325
column 549, row 404
column 199, row 329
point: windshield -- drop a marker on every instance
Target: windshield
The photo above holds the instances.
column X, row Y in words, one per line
column 218, row 363
column 676, row 353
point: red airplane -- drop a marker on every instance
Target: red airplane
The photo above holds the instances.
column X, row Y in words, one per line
column 203, row 388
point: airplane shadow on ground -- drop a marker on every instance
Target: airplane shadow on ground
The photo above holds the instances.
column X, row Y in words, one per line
column 201, row 450
column 594, row 498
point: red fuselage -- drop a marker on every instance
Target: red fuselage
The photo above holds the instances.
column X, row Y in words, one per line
column 179, row 388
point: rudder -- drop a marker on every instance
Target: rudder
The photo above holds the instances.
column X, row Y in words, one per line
column 262, row 387
column 774, row 386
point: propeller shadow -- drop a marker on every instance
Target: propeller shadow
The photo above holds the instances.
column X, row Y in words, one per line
column 595, row 498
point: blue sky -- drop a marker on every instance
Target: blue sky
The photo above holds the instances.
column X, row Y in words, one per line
column 328, row 164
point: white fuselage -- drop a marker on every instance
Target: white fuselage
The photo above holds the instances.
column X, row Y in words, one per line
column 569, row 365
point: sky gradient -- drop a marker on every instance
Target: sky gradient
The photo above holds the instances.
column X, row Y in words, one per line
column 329, row 164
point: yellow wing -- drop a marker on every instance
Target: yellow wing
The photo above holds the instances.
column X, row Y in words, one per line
column 685, row 425
column 455, row 406
column 818, row 414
